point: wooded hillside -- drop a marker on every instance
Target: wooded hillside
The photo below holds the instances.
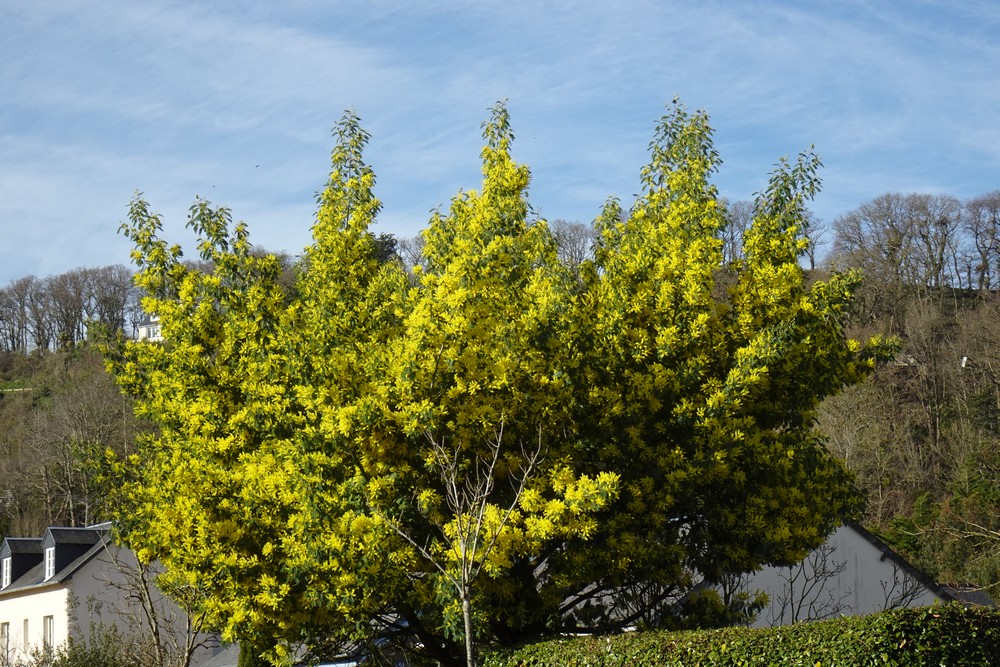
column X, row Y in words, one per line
column 922, row 434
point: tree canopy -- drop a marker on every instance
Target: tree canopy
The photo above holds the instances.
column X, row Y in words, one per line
column 497, row 446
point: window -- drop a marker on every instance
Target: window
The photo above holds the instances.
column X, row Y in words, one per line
column 4, row 642
column 5, row 575
column 48, row 631
column 24, row 637
column 50, row 562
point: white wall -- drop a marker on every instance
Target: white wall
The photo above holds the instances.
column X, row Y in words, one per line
column 34, row 606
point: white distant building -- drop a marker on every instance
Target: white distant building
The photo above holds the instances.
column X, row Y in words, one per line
column 149, row 329
column 69, row 582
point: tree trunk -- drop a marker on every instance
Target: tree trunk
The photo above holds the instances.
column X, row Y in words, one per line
column 470, row 647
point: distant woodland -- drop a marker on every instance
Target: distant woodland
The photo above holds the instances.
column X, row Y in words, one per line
column 922, row 435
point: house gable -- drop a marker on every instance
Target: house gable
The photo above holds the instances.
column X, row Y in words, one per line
column 898, row 563
column 851, row 573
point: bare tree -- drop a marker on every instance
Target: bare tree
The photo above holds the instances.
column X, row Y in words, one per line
column 982, row 223
column 867, row 427
column 936, row 220
column 902, row 591
column 111, row 295
column 411, row 251
column 468, row 494
column 806, row 594
column 738, row 216
column 41, row 324
column 54, row 436
column 68, row 300
column 878, row 238
column 815, row 233
column 169, row 630
column 14, row 300
column 574, row 240
column 905, row 245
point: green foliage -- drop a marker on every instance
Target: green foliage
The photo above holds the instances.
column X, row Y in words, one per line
column 107, row 647
column 955, row 539
column 219, row 403
column 495, row 447
column 929, row 636
column 706, row 608
column 249, row 658
column 704, row 399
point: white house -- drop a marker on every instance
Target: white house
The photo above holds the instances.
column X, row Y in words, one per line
column 149, row 329
column 852, row 573
column 72, row 581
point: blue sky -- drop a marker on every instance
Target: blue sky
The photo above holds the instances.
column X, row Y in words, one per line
column 235, row 102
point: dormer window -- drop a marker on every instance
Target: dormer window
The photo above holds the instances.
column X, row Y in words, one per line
column 5, row 572
column 50, row 562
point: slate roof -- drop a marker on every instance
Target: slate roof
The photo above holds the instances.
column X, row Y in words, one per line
column 88, row 535
column 21, row 545
column 95, row 536
column 970, row 595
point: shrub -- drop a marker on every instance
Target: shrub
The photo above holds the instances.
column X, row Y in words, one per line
column 105, row 650
column 939, row 635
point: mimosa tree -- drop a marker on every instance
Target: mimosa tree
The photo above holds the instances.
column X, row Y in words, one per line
column 497, row 446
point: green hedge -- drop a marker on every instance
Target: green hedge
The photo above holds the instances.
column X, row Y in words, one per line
column 942, row 635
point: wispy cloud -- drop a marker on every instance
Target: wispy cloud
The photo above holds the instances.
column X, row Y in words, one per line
column 235, row 101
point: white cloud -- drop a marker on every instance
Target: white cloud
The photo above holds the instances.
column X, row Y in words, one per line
column 235, row 101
